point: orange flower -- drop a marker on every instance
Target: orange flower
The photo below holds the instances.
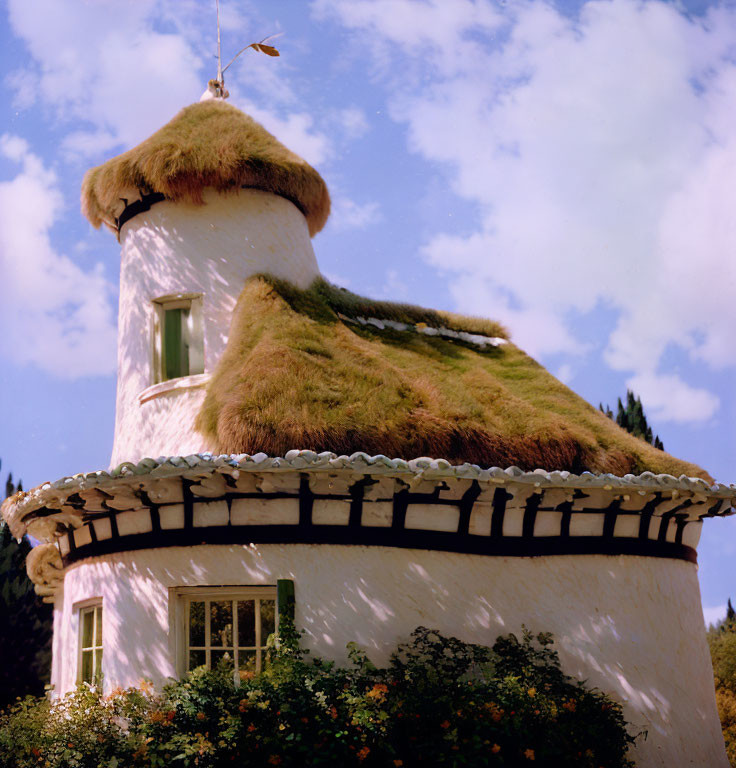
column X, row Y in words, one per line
column 251, row 728
column 201, row 715
column 363, row 753
column 274, row 760
column 333, row 712
column 529, row 754
column 156, row 717
column 378, row 692
column 445, row 724
column 569, row 706
column 532, row 692
column 495, row 749
column 398, row 763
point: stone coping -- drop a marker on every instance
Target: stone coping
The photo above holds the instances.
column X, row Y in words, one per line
column 119, row 488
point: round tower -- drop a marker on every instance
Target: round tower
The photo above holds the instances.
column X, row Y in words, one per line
column 205, row 203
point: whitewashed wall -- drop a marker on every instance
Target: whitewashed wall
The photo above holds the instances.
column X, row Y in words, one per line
column 631, row 626
column 185, row 248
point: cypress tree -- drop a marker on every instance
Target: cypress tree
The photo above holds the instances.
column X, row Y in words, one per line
column 25, row 621
column 631, row 417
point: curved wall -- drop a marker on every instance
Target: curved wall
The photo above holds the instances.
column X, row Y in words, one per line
column 629, row 625
column 206, row 249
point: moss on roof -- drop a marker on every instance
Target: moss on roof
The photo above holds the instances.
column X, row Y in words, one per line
column 294, row 375
column 209, row 144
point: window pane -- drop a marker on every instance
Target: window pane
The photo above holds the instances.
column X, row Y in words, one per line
column 196, row 624
column 176, row 344
column 246, row 622
column 247, row 661
column 197, row 659
column 87, row 617
column 98, row 627
column 268, row 619
column 87, row 666
column 218, row 656
column 221, row 623
column 98, row 665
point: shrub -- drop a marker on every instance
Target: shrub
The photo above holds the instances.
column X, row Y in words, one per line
column 722, row 642
column 440, row 702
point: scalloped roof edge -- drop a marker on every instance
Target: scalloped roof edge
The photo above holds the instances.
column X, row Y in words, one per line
column 305, row 460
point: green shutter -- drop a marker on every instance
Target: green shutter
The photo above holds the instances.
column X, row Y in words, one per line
column 285, row 598
column 175, row 346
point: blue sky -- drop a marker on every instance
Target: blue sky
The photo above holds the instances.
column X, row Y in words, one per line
column 566, row 168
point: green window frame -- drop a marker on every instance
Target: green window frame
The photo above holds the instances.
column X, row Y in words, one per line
column 178, row 337
column 89, row 668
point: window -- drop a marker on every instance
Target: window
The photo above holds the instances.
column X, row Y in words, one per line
column 178, row 337
column 226, row 623
column 90, row 643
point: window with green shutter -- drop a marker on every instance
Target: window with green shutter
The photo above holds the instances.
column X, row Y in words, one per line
column 178, row 337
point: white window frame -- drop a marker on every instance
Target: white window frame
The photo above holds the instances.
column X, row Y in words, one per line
column 192, row 302
column 92, row 605
column 181, row 597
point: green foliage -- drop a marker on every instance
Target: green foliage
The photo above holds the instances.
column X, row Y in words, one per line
column 631, row 418
column 722, row 642
column 26, row 664
column 440, row 702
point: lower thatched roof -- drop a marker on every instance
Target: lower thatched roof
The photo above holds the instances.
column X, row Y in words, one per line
column 298, row 373
column 209, row 144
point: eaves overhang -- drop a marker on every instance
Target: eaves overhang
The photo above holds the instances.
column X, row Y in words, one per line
column 306, row 497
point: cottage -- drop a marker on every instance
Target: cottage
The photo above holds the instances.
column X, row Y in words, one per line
column 288, row 421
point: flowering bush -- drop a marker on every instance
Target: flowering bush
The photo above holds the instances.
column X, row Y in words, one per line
column 440, row 702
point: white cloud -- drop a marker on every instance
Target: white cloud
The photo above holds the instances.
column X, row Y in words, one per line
column 668, row 398
column 112, row 75
column 53, row 314
column 353, row 122
column 104, row 64
column 599, row 152
column 347, row 214
column 296, row 131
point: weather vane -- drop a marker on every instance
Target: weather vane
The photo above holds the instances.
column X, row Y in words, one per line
column 216, row 87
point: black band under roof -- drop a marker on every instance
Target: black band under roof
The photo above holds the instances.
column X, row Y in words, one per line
column 186, row 523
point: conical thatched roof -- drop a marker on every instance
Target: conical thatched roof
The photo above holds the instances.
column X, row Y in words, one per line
column 325, row 370
column 209, row 144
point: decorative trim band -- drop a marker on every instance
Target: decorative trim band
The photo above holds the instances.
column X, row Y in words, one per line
column 136, row 207
column 514, row 521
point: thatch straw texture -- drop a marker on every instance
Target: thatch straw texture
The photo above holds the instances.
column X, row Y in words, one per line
column 209, row 144
column 294, row 375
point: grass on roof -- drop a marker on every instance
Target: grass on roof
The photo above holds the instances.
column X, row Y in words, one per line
column 294, row 375
column 208, row 144
column 324, row 300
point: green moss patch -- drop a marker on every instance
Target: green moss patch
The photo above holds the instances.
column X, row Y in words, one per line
column 296, row 375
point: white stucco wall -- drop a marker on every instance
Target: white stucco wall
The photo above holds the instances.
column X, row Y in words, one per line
column 631, row 626
column 184, row 248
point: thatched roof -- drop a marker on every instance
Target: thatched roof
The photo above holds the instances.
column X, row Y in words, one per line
column 298, row 371
column 209, row 144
